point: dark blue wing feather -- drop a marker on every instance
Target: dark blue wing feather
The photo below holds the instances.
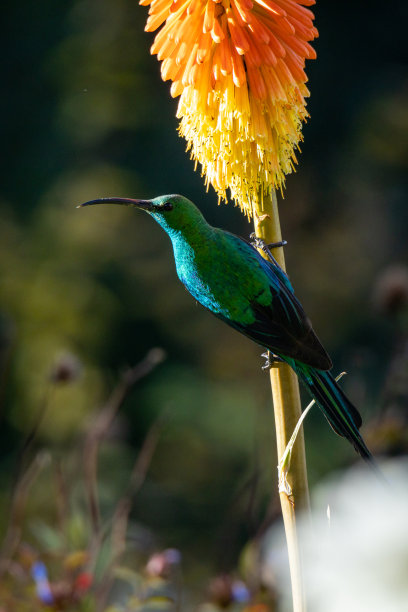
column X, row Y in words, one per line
column 282, row 326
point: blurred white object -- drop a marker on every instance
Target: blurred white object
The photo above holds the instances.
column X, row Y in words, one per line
column 358, row 561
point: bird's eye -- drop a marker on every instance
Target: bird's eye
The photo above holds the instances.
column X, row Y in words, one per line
column 167, row 206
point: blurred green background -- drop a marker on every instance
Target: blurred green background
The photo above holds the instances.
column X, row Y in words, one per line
column 84, row 114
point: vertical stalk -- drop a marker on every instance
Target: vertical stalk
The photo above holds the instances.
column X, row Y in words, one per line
column 287, row 409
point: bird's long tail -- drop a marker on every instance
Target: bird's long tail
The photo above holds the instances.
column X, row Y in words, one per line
column 343, row 417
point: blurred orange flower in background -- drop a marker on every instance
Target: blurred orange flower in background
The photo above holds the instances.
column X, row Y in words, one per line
column 238, row 66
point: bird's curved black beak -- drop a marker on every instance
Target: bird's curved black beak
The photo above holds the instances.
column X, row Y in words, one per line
column 143, row 204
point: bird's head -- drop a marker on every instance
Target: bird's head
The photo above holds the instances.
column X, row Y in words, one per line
column 174, row 213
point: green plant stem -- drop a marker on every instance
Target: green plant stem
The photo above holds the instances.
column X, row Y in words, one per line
column 287, row 409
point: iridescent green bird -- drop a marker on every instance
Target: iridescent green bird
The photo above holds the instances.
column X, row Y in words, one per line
column 229, row 277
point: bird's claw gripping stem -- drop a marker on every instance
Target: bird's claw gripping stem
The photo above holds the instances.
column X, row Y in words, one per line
column 270, row 360
column 259, row 243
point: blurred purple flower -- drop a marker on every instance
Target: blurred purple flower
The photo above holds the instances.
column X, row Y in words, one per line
column 240, row 592
column 161, row 563
column 39, row 574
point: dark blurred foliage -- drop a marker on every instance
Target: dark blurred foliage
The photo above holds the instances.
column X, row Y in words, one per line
column 85, row 293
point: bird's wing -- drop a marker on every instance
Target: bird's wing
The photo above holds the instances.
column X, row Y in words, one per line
column 282, row 326
column 285, row 329
column 270, row 267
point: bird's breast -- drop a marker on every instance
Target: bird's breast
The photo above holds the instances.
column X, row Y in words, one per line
column 221, row 280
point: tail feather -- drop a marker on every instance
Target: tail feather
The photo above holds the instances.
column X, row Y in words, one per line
column 343, row 417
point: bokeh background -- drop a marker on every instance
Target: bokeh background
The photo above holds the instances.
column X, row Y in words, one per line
column 85, row 294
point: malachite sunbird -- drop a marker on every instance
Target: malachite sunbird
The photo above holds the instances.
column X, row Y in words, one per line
column 229, row 277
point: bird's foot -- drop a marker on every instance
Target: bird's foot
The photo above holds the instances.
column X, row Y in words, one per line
column 259, row 243
column 270, row 360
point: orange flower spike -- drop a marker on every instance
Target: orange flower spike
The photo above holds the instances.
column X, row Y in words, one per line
column 209, row 16
column 190, row 63
column 300, row 12
column 276, row 45
column 238, row 14
column 294, row 64
column 247, row 4
column 177, row 4
column 204, row 47
column 299, row 46
column 238, row 37
column 159, row 9
column 194, row 72
column 217, row 33
column 256, row 82
column 166, row 68
column 285, row 26
column 267, row 55
column 216, row 63
column 238, row 67
column 183, row 31
column 283, row 73
column 303, row 31
column 245, row 14
column 253, row 57
column 264, row 51
column 176, row 88
column 271, row 76
column 182, row 52
column 190, row 37
column 271, row 7
column 164, row 49
column 259, row 30
column 225, row 57
column 155, row 21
